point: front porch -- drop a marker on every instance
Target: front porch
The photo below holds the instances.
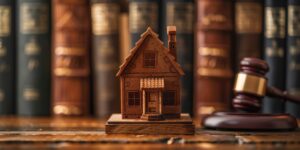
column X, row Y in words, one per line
column 152, row 91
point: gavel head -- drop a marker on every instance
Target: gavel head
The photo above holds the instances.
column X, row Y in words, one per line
column 250, row 85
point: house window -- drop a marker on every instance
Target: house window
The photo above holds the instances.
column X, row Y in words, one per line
column 133, row 98
column 169, row 98
column 149, row 59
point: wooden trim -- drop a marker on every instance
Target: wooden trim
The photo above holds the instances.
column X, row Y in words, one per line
column 160, row 102
column 122, row 88
column 144, row 102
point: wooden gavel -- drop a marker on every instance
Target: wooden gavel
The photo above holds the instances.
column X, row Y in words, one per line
column 251, row 86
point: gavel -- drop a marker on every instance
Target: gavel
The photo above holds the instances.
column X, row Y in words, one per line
column 251, row 86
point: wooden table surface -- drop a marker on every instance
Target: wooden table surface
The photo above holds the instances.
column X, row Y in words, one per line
column 88, row 133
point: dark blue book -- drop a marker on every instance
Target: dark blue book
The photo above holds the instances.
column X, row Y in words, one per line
column 105, row 55
column 180, row 13
column 7, row 57
column 142, row 14
column 293, row 55
column 248, row 30
column 33, row 57
column 275, row 51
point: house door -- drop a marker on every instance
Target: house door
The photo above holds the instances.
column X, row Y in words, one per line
column 152, row 102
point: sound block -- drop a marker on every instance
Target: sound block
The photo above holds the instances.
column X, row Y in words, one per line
column 250, row 122
column 182, row 126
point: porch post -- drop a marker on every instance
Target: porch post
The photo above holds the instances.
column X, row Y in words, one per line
column 144, row 101
column 160, row 102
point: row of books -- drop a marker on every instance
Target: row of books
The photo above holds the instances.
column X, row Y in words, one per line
column 88, row 39
column 46, row 57
column 282, row 52
column 60, row 57
column 267, row 29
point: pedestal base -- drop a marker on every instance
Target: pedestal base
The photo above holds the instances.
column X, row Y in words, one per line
column 117, row 125
column 250, row 122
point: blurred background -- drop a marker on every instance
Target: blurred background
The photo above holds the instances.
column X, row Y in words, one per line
column 60, row 57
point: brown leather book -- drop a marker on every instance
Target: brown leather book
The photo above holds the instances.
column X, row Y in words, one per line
column 213, row 41
column 70, row 57
column 248, row 29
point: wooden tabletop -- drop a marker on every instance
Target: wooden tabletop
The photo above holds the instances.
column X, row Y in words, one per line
column 88, row 133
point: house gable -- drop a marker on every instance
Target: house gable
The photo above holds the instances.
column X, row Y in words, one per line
column 140, row 60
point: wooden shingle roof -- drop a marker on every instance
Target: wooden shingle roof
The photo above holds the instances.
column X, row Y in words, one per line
column 133, row 51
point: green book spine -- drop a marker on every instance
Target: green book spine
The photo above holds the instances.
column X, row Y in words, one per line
column 7, row 57
column 33, row 57
column 293, row 55
column 248, row 30
column 274, row 51
column 180, row 13
column 105, row 55
column 142, row 14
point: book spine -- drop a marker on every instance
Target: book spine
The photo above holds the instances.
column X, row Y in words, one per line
column 213, row 72
column 33, row 57
column 70, row 57
column 180, row 13
column 142, row 14
column 105, row 50
column 274, row 51
column 7, row 58
column 293, row 55
column 248, row 29
column 124, row 31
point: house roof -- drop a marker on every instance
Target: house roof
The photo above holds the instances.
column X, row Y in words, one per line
column 133, row 51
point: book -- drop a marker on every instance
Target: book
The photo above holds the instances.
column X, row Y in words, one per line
column 248, row 29
column 7, row 57
column 124, row 37
column 274, row 51
column 105, row 52
column 33, row 57
column 293, row 55
column 212, row 72
column 142, row 14
column 180, row 13
column 70, row 57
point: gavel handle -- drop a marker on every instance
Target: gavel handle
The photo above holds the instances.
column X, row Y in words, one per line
column 274, row 92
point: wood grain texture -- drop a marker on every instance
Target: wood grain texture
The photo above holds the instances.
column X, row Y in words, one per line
column 117, row 125
column 88, row 133
column 117, row 119
column 288, row 138
column 206, row 146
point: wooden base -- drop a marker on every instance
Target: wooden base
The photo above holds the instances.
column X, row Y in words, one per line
column 250, row 122
column 117, row 125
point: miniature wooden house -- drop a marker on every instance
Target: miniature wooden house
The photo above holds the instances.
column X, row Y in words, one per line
column 149, row 79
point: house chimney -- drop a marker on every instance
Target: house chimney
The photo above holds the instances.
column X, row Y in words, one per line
column 172, row 40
